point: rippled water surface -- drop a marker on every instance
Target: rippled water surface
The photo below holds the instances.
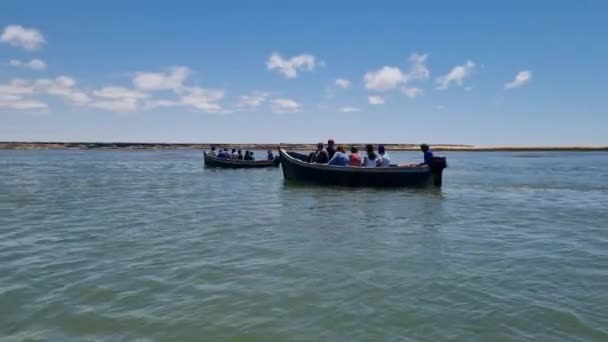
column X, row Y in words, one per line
column 150, row 246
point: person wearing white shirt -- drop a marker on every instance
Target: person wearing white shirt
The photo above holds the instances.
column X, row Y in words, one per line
column 385, row 159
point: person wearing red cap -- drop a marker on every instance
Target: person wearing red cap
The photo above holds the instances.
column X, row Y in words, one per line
column 331, row 150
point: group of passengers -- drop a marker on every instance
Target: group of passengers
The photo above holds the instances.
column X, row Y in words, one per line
column 237, row 154
column 337, row 156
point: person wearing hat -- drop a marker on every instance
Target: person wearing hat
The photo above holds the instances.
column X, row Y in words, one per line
column 331, row 150
column 384, row 159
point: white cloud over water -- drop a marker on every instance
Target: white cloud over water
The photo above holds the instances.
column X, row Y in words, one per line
column 19, row 36
column 289, row 67
column 521, row 78
column 34, row 64
column 456, row 76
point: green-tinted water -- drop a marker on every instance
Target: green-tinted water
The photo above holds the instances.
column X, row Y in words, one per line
column 123, row 246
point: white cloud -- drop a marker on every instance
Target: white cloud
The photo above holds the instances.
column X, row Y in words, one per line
column 254, row 100
column 34, row 64
column 456, row 76
column 203, row 99
column 418, row 69
column 63, row 86
column 150, row 81
column 118, row 99
column 342, row 83
column 376, row 100
column 389, row 77
column 386, row 78
column 113, row 92
column 349, row 109
column 284, row 106
column 17, row 87
column 27, row 38
column 412, row 92
column 290, row 67
column 17, row 102
column 123, row 105
column 521, row 78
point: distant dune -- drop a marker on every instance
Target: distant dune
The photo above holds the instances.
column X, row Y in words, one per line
column 249, row 146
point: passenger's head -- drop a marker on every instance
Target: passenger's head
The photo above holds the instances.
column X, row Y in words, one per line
column 353, row 149
column 212, row 148
column 341, row 148
column 233, row 150
column 239, row 151
column 330, row 142
column 269, row 151
column 251, row 153
column 247, row 152
column 424, row 147
column 320, row 146
column 381, row 149
column 369, row 148
column 226, row 149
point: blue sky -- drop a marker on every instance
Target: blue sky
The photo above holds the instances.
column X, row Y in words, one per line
column 469, row 72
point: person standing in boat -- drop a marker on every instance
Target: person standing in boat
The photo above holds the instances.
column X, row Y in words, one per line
column 355, row 158
column 269, row 155
column 212, row 152
column 371, row 159
column 428, row 155
column 330, row 148
column 384, row 159
column 340, row 158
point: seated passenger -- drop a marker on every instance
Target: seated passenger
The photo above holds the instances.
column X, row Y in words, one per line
column 384, row 158
column 320, row 156
column 330, row 148
column 247, row 155
column 340, row 157
column 212, row 152
column 251, row 156
column 428, row 155
column 371, row 159
column 234, row 155
column 269, row 155
column 355, row 157
column 239, row 155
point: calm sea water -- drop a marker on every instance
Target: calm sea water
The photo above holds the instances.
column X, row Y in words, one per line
column 149, row 246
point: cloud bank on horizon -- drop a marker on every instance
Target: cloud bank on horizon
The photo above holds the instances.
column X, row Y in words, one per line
column 171, row 86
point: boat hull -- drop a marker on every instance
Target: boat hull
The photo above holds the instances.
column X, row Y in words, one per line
column 295, row 170
column 211, row 161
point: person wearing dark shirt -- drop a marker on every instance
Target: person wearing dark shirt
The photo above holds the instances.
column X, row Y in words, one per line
column 269, row 155
column 330, row 148
column 428, row 154
column 247, row 155
column 251, row 156
column 321, row 156
column 240, row 155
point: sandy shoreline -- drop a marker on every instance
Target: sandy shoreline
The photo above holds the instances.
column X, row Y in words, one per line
column 251, row 146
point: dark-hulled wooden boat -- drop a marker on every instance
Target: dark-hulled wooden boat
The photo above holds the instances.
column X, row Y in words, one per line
column 211, row 161
column 297, row 170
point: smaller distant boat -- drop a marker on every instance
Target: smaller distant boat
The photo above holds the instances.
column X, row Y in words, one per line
column 296, row 169
column 211, row 161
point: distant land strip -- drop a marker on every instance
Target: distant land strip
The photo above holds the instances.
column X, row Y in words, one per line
column 14, row 145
